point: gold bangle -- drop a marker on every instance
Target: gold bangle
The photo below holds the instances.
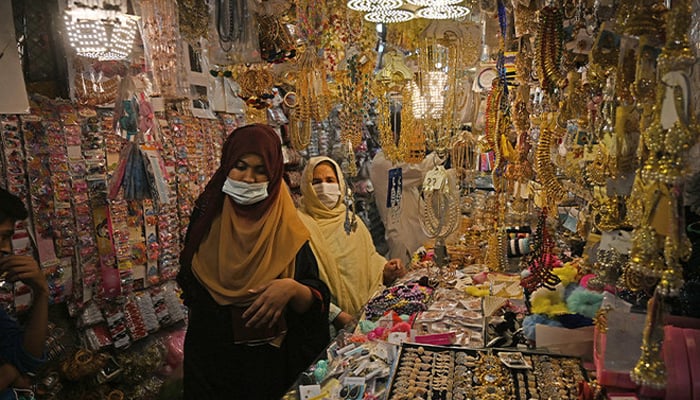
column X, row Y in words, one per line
column 83, row 357
column 290, row 100
column 115, row 394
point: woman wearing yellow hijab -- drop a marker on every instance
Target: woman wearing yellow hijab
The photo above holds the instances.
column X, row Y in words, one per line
column 348, row 263
column 258, row 310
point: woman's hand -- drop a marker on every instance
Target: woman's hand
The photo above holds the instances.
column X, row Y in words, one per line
column 393, row 270
column 273, row 299
column 270, row 304
column 343, row 320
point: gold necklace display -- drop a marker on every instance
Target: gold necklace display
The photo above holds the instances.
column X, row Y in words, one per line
column 393, row 80
column 354, row 87
column 439, row 61
column 312, row 97
column 255, row 82
column 553, row 189
column 395, row 149
column 412, row 130
column 549, row 48
column 464, row 153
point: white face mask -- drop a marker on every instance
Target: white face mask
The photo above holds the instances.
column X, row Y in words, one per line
column 245, row 193
column 328, row 193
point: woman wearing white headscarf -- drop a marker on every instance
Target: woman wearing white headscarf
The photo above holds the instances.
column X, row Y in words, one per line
column 348, row 263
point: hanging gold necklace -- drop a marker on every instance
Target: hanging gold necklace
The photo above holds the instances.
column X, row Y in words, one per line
column 549, row 48
column 312, row 99
column 553, row 189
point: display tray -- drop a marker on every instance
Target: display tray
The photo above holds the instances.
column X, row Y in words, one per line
column 435, row 372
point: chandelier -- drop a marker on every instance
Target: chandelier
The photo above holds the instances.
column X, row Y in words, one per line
column 443, row 12
column 433, row 3
column 389, row 16
column 99, row 29
column 374, row 5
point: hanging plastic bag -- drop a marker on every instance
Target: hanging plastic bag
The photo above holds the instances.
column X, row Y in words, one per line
column 224, row 95
column 137, row 186
column 118, row 177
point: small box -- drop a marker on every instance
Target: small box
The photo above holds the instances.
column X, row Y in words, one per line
column 678, row 379
column 571, row 342
column 614, row 363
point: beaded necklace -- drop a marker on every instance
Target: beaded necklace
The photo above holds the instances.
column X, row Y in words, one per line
column 230, row 22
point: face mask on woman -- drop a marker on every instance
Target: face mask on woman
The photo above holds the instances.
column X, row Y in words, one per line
column 245, row 193
column 328, row 193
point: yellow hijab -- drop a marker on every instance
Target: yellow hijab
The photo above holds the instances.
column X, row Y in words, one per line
column 348, row 264
column 235, row 258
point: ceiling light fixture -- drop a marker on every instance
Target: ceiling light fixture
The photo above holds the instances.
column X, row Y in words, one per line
column 443, row 12
column 389, row 16
column 100, row 30
column 433, row 3
column 374, row 5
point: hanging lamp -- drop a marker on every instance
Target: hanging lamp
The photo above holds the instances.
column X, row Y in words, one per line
column 443, row 12
column 374, row 5
column 100, row 29
column 389, row 16
column 433, row 3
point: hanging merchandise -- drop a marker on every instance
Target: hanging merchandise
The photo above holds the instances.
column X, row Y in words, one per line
column 234, row 39
column 256, row 86
column 140, row 171
column 163, row 47
column 97, row 83
column 355, row 85
column 225, row 93
column 312, row 98
column 193, row 20
column 446, row 49
column 541, row 259
column 440, row 208
column 276, row 42
column 131, row 175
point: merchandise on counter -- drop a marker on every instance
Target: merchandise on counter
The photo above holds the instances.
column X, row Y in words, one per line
column 430, row 372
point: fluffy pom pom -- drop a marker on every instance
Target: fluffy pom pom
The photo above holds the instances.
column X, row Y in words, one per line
column 548, row 302
column 530, row 321
column 567, row 273
column 584, row 302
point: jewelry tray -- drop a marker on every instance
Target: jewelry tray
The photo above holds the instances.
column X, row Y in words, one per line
column 455, row 373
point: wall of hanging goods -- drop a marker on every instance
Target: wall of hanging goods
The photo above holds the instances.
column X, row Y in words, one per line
column 535, row 162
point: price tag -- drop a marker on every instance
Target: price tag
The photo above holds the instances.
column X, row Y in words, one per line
column 397, row 337
column 307, row 392
column 435, row 179
column 618, row 239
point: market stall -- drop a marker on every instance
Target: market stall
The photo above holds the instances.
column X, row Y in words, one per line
column 544, row 153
